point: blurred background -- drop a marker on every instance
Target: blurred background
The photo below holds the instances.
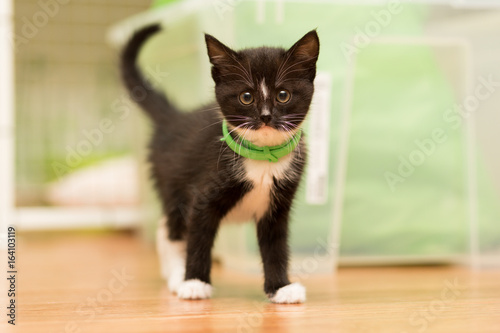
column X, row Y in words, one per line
column 403, row 130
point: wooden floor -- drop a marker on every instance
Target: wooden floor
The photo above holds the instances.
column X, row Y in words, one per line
column 110, row 283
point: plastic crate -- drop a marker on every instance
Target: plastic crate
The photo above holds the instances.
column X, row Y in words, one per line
column 356, row 134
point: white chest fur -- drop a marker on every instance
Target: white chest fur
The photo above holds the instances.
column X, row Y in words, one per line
column 256, row 203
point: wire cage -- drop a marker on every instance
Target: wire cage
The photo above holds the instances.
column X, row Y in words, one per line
column 73, row 120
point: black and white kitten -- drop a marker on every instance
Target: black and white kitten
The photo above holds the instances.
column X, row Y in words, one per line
column 264, row 95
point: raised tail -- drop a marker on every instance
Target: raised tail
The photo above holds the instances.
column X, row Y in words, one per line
column 141, row 91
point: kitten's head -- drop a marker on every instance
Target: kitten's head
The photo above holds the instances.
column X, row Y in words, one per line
column 265, row 93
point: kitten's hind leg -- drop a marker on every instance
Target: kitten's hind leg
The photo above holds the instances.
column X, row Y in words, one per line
column 200, row 239
column 172, row 255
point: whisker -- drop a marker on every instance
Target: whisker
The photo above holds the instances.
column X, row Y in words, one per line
column 244, row 82
column 293, row 114
column 230, row 116
column 246, row 79
column 217, row 122
column 237, row 61
column 221, row 120
column 241, row 67
column 284, row 73
column 285, row 80
column 292, row 137
column 291, row 124
column 297, row 70
column 249, row 76
column 293, row 118
column 287, row 132
column 244, row 136
column 220, row 155
column 290, row 52
column 250, row 68
column 209, row 109
column 282, row 80
column 239, row 126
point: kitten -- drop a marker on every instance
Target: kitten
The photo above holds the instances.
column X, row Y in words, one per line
column 204, row 176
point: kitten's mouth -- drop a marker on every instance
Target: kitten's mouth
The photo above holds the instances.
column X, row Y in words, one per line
column 279, row 126
column 263, row 134
column 266, row 127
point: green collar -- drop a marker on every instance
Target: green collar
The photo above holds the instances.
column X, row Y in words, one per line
column 266, row 153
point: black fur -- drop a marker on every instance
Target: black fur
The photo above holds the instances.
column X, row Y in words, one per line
column 198, row 178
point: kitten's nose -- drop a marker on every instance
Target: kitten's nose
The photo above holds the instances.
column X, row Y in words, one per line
column 265, row 118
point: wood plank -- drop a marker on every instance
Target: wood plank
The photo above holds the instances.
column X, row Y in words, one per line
column 67, row 283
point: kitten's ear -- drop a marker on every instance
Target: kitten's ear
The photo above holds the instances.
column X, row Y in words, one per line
column 218, row 52
column 223, row 59
column 307, row 47
column 303, row 56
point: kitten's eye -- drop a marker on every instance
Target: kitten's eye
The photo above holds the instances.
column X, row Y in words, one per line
column 283, row 96
column 246, row 98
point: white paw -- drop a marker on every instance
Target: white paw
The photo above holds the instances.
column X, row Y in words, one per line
column 194, row 289
column 292, row 293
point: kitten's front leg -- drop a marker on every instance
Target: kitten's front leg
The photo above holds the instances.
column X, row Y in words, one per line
column 205, row 217
column 272, row 232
